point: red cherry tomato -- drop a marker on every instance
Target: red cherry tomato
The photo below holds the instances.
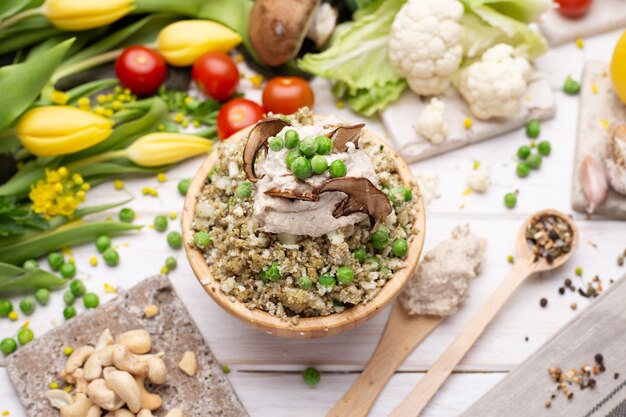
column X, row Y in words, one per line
column 287, row 94
column 237, row 114
column 217, row 75
column 141, row 70
column 574, row 8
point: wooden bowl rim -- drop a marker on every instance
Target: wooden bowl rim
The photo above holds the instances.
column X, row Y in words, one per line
column 306, row 326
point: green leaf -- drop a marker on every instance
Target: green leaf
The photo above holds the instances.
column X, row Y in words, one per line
column 91, row 88
column 112, row 169
column 15, row 280
column 26, row 32
column 21, row 84
column 9, row 8
column 369, row 101
column 15, row 220
column 526, row 11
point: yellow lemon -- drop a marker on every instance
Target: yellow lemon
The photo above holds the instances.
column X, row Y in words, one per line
column 618, row 68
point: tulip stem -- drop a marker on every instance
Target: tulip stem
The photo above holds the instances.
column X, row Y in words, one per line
column 87, row 64
column 20, row 16
column 107, row 156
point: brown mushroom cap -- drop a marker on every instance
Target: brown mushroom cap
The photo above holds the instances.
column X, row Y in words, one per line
column 363, row 197
column 257, row 138
column 277, row 28
column 292, row 195
column 344, row 134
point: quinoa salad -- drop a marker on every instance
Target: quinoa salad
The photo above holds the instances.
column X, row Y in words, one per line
column 315, row 224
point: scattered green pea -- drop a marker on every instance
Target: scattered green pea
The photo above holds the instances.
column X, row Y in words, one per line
column 8, row 346
column 243, row 190
column 311, row 376
column 55, row 260
column 27, row 305
column 183, row 186
column 276, row 143
column 103, row 243
column 397, row 196
column 571, row 86
column 579, row 271
column 91, row 300
column 337, row 169
column 170, row 263
column 30, row 264
column 400, row 248
column 523, row 169
column 326, row 280
column 534, row 161
column 372, row 263
column 408, row 193
column 319, row 164
column 69, row 298
column 345, row 275
column 42, row 295
column 301, row 168
column 533, row 129
column 291, row 156
column 77, row 287
column 380, row 238
column 127, row 215
column 160, row 223
column 324, row 145
column 25, row 335
column 544, row 148
column 202, row 239
column 291, row 139
column 67, row 270
column 226, row 369
column 69, row 312
column 510, row 200
column 273, row 272
column 523, row 152
column 111, row 257
column 174, row 240
column 360, row 254
column 305, row 282
column 6, row 307
column 308, row 146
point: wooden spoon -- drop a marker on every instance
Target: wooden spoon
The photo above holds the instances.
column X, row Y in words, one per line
column 525, row 266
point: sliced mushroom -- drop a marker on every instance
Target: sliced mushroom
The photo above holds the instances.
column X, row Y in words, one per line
column 341, row 135
column 363, row 197
column 292, row 195
column 257, row 138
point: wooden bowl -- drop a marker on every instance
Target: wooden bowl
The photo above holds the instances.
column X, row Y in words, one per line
column 307, row 327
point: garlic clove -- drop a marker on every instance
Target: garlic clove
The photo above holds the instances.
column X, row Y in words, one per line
column 594, row 182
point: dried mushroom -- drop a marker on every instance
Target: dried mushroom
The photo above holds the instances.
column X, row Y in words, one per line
column 616, row 158
column 257, row 139
column 341, row 135
column 363, row 197
column 292, row 195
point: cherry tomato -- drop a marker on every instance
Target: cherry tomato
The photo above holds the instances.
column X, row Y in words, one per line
column 287, row 94
column 237, row 114
column 574, row 8
column 217, row 75
column 141, row 70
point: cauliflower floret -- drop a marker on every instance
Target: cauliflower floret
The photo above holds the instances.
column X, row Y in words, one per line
column 478, row 180
column 425, row 44
column 494, row 86
column 431, row 123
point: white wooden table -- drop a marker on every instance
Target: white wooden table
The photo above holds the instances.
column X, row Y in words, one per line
column 266, row 371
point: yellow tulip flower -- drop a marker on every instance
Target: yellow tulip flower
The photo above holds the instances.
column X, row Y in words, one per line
column 156, row 149
column 59, row 130
column 182, row 43
column 77, row 15
column 618, row 68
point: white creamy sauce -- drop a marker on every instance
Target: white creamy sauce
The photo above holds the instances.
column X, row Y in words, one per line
column 306, row 218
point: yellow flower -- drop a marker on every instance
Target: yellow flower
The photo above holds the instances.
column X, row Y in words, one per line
column 118, row 184
column 59, row 130
column 59, row 97
column 77, row 15
column 58, row 194
column 158, row 149
column 183, row 42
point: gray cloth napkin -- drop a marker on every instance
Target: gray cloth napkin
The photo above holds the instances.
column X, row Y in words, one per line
column 601, row 328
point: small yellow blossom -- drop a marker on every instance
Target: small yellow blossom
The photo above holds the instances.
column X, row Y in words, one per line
column 340, row 104
column 239, row 58
column 84, row 103
column 53, row 385
column 85, row 186
column 467, row 123
column 67, row 251
column 67, row 350
column 594, row 88
column 256, row 80
column 196, row 123
column 68, row 388
column 93, row 261
column 161, row 177
column 467, row 191
column 187, row 100
column 154, row 192
column 164, row 269
column 108, row 288
column 118, row 184
column 117, row 89
column 116, row 105
column 145, row 190
column 26, row 324
column 56, row 195
column 580, row 44
column 179, row 118
column 185, row 123
column 59, row 97
column 101, row 99
column 161, row 127
column 108, row 113
column 13, row 316
column 476, row 165
column 127, row 91
column 6, row 413
column 173, row 216
column 604, row 123
column 99, row 110
column 71, row 260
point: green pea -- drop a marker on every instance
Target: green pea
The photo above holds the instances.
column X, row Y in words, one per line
column 373, row 263
column 533, row 129
column 30, row 264
column 544, row 148
column 345, row 275
column 276, row 143
column 175, row 240
column 69, row 312
column 571, row 86
column 534, row 161
column 380, row 238
column 160, row 223
column 408, row 193
column 522, row 170
column 291, row 139
column 301, row 168
column 263, row 276
column 8, row 346
column 308, row 147
column 55, row 260
column 77, row 287
column 25, row 336
column 243, row 190
column 273, row 272
column 510, row 200
column 111, row 257
column 319, row 164
column 127, row 215
column 69, row 298
column 27, row 305
column 42, row 295
column 91, row 300
column 68, row 270
column 396, row 196
column 6, row 307
column 326, row 280
column 291, row 156
column 311, row 376
column 305, row 282
column 360, row 254
column 103, row 243
column 400, row 248
column 170, row 263
column 183, row 186
column 324, row 145
column 202, row 239
column 337, row 169
column 523, row 152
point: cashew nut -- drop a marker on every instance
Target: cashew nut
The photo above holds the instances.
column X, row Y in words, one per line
column 175, row 412
column 81, row 382
column 156, row 370
column 102, row 396
column 123, row 413
column 107, row 371
column 78, row 359
column 149, row 401
column 150, row 311
column 94, row 411
column 145, row 413
column 104, row 340
column 125, row 361
column 126, row 388
column 58, row 398
column 78, row 408
column 137, row 341
column 188, row 363
column 95, row 363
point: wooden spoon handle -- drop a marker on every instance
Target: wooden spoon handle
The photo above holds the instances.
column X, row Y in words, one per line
column 428, row 386
column 402, row 333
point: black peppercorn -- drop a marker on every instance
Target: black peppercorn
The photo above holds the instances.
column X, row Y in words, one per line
column 599, row 358
column 543, row 302
column 561, row 290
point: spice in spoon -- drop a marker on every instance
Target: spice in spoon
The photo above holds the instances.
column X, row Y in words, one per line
column 549, row 237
